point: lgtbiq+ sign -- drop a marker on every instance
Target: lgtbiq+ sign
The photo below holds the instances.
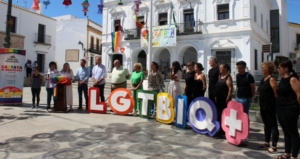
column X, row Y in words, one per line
column 201, row 113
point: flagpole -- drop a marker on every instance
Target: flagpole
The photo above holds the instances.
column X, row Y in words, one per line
column 150, row 40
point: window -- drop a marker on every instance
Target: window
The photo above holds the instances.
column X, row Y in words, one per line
column 224, row 56
column 223, row 11
column 13, row 27
column 163, row 19
column 188, row 19
column 274, row 22
column 142, row 21
column 97, row 44
column 298, row 42
column 255, row 59
column 92, row 42
column 262, row 21
column 117, row 25
column 262, row 57
column 255, row 19
column 41, row 33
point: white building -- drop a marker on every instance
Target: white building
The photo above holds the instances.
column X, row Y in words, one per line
column 231, row 30
column 38, row 30
column 77, row 39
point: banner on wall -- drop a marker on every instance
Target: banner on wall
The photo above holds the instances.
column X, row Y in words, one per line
column 12, row 63
column 162, row 36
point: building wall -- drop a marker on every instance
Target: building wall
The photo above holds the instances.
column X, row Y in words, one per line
column 27, row 25
column 68, row 34
column 17, row 41
column 240, row 34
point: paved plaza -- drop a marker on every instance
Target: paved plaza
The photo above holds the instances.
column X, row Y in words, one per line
column 27, row 133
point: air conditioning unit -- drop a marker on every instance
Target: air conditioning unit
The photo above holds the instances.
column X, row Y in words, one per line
column 292, row 55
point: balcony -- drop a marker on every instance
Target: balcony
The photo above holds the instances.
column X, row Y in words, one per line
column 132, row 34
column 97, row 49
column 42, row 39
column 189, row 28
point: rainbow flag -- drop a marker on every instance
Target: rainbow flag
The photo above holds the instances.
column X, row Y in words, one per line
column 138, row 23
column 115, row 39
column 12, row 51
column 59, row 80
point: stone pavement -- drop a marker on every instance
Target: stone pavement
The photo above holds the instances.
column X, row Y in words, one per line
column 27, row 133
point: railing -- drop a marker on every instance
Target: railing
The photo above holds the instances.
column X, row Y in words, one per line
column 42, row 39
column 131, row 34
column 95, row 48
column 187, row 28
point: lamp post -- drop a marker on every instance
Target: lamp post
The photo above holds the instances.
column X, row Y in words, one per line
column 6, row 42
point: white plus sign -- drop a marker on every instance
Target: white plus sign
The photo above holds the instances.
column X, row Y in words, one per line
column 233, row 123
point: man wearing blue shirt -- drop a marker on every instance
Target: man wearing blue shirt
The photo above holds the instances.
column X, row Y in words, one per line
column 98, row 76
column 82, row 75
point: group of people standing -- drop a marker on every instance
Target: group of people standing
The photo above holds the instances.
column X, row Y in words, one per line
column 277, row 101
column 81, row 77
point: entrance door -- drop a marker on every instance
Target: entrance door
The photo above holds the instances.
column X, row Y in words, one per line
column 224, row 57
column 41, row 62
column 116, row 57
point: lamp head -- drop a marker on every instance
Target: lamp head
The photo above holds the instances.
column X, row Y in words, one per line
column 120, row 3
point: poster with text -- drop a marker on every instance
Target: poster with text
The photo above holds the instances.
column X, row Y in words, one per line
column 162, row 36
column 12, row 63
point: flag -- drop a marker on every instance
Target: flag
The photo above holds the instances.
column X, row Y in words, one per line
column 137, row 22
column 173, row 14
column 115, row 39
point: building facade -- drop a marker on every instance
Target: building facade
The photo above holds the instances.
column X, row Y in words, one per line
column 36, row 32
column 231, row 30
column 77, row 39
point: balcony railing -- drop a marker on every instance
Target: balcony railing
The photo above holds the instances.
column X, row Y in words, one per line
column 188, row 28
column 97, row 49
column 132, row 34
column 42, row 39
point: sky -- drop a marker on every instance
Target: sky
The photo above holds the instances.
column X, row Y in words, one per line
column 56, row 8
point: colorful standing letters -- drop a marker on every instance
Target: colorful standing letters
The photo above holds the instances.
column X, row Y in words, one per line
column 203, row 116
column 94, row 104
column 235, row 123
column 201, row 113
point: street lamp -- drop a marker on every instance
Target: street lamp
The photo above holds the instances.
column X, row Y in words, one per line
column 84, row 50
column 6, row 42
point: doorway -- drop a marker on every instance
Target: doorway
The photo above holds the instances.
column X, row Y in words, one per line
column 117, row 57
column 142, row 58
column 41, row 62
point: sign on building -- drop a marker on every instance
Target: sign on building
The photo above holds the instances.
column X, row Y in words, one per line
column 162, row 36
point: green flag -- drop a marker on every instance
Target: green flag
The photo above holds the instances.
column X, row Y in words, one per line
column 173, row 15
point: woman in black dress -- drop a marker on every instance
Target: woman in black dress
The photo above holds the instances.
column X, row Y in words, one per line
column 267, row 98
column 199, row 81
column 223, row 92
column 287, row 108
column 189, row 81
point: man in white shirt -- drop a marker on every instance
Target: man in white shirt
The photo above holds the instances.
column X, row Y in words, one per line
column 98, row 76
column 119, row 76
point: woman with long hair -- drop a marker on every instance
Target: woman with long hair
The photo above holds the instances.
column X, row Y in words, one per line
column 67, row 72
column 199, row 81
column 267, row 101
column 137, row 78
column 175, row 75
column 223, row 92
column 189, row 81
column 52, row 71
column 287, row 104
column 36, row 81
column 154, row 81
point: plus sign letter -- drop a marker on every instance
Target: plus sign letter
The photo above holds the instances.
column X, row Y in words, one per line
column 235, row 123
